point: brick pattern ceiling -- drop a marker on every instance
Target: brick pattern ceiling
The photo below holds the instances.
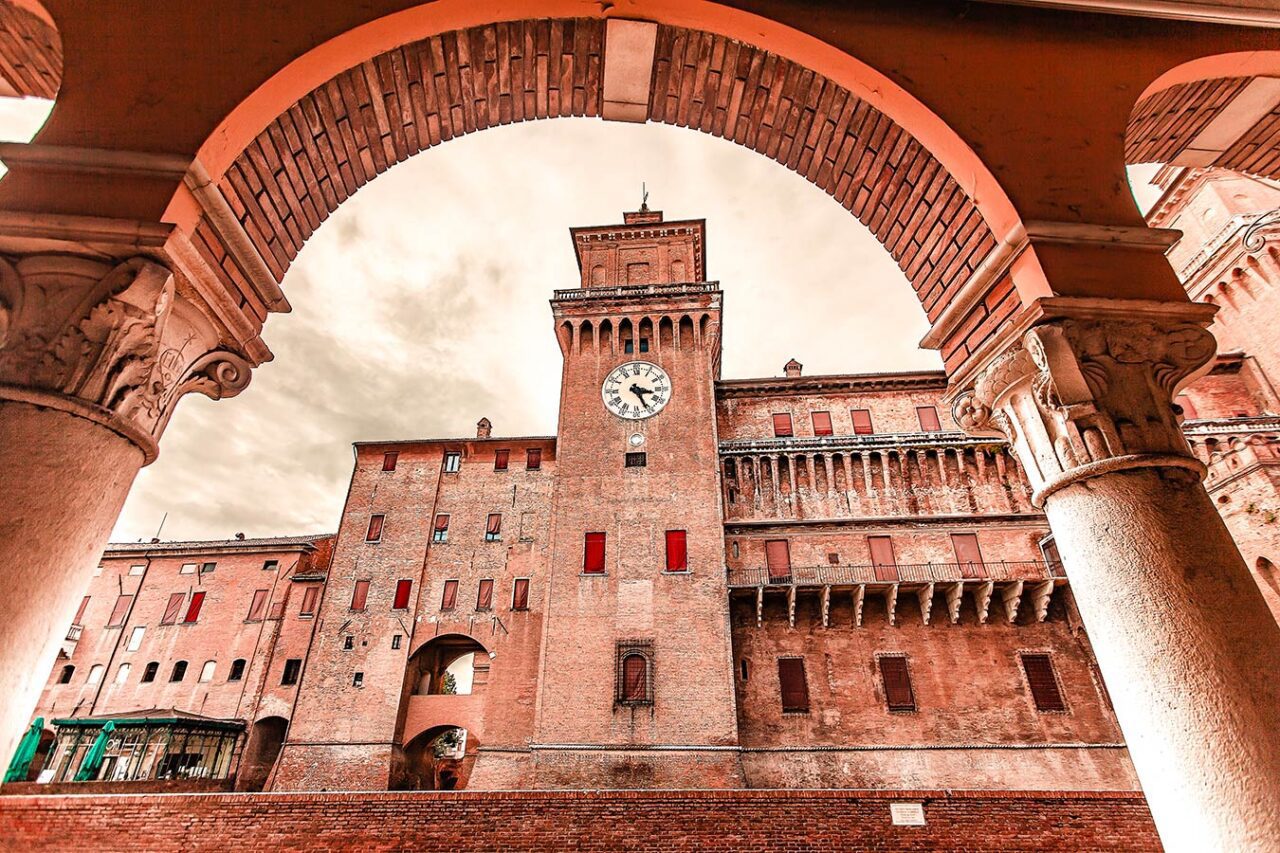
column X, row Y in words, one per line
column 30, row 53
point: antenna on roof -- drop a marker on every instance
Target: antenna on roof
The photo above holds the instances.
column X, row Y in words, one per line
column 644, row 198
column 163, row 519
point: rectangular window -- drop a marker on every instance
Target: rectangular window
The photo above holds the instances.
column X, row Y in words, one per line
column 861, row 421
column 188, row 569
column 138, row 570
column 967, row 555
column 1049, row 550
column 777, row 556
column 452, row 462
column 395, row 641
column 782, row 425
column 628, row 346
column 793, row 686
column 501, row 458
column 520, row 594
column 484, row 596
column 84, row 603
column 593, row 554
column 493, row 527
column 449, row 599
column 118, row 612
column 135, row 639
column 309, row 596
column 928, row 416
column 898, row 694
column 359, row 595
column 1043, row 682
column 822, row 424
column 636, row 460
column 208, row 567
column 193, row 609
column 292, row 667
column 258, row 607
column 677, row 551
column 440, row 533
column 644, row 345
column 173, row 608
column 533, row 458
column 389, row 460
column 882, row 558
column 403, row 587
column 357, row 680
column 270, row 565
column 375, row 528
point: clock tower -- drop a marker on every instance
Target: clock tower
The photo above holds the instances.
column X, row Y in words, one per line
column 636, row 684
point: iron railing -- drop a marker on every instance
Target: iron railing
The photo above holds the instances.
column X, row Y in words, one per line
column 73, row 633
column 829, row 575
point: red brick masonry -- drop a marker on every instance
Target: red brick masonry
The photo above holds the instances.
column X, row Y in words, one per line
column 579, row 820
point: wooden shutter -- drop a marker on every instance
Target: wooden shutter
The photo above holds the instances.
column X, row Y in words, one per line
column 193, row 609
column 484, row 597
column 882, row 558
column 533, row 458
column 782, row 425
column 677, row 551
column 635, row 671
column 389, row 460
column 520, row 594
column 777, row 556
column 259, row 605
column 822, row 423
column 493, row 526
column 84, row 603
column 403, row 588
column 501, row 458
column 1049, row 549
column 359, row 595
column 968, row 555
column 928, row 416
column 794, row 688
column 897, row 683
column 593, row 554
column 309, row 596
column 861, row 421
column 118, row 612
column 1043, row 684
column 449, row 600
column 375, row 528
column 173, row 608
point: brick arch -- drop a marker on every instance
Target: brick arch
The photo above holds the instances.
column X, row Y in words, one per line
column 322, row 148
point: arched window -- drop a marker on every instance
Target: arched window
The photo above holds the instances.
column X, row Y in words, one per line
column 149, row 674
column 95, row 673
column 206, row 671
column 635, row 675
column 67, row 672
column 237, row 670
column 179, row 671
column 122, row 674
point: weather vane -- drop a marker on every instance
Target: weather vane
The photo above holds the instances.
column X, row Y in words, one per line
column 644, row 197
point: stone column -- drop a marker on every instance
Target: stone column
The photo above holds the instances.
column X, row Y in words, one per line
column 1189, row 650
column 93, row 356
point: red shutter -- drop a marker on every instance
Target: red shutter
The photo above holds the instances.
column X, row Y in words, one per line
column 375, row 528
column 928, row 416
column 822, row 423
column 309, row 596
column 500, row 459
column 635, row 687
column 968, row 555
column 1049, row 548
column 861, row 421
column 593, row 554
column 118, row 612
column 277, row 610
column 494, row 525
column 403, row 588
column 259, row 605
column 782, row 425
column 450, row 598
column 533, row 458
column 794, row 688
column 80, row 613
column 173, row 608
column 442, row 522
column 359, row 595
column 898, row 694
column 886, row 566
column 677, row 551
column 1188, row 408
column 520, row 594
column 193, row 609
column 484, row 597
column 389, row 460
column 1043, row 684
column 777, row 555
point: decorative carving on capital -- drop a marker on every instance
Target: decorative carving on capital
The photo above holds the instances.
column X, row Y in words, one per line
column 117, row 343
column 1081, row 397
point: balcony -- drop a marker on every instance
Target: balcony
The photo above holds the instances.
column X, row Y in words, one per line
column 920, row 573
column 73, row 633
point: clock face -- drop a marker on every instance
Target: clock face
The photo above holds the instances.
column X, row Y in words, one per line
column 636, row 390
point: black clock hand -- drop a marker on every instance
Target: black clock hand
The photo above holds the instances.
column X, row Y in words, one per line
column 640, row 392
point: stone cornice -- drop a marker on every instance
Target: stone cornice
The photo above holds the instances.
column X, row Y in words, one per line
column 776, row 386
column 854, row 443
column 634, row 292
column 126, row 550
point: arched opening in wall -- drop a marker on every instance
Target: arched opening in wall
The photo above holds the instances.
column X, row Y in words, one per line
column 449, row 665
column 260, row 752
column 30, row 71
column 1267, row 572
column 439, row 759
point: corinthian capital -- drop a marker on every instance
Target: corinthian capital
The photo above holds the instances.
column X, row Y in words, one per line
column 1088, row 389
column 118, row 343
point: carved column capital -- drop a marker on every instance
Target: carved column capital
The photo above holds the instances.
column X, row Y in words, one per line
column 1090, row 391
column 115, row 342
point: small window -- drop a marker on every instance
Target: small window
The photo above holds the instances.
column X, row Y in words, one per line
column 793, row 686
column 533, row 458
column 636, row 460
column 501, row 459
column 628, row 346
column 593, row 554
column 207, row 568
column 270, row 565
column 928, row 416
column 207, row 671
column 743, row 668
column 292, row 667
column 861, row 421
column 135, row 639
column 898, row 695
column 173, row 608
column 1043, row 682
column 782, row 425
column 644, row 345
column 452, row 462
column 822, row 423
column 493, row 527
column 1053, row 559
column 193, row 609
column 404, row 587
column 449, row 598
column 374, row 534
column 237, row 670
column 119, row 612
column 309, row 597
column 67, row 672
column 84, row 604
column 441, row 531
column 149, row 673
column 257, row 607
column 833, row 559
column 520, row 594
column 677, row 551
column 97, row 570
column 357, row 680
column 179, row 671
column 359, row 595
column 122, row 673
column 138, row 570
column 395, row 640
column 95, row 673
column 188, row 569
column 635, row 672
column 777, row 557
column 389, row 460
column 484, row 595
column 348, row 643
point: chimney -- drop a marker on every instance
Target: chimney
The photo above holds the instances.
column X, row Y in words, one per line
column 792, row 368
column 483, row 428
column 240, row 537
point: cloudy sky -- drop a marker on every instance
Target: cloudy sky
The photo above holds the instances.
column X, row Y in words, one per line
column 422, row 306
